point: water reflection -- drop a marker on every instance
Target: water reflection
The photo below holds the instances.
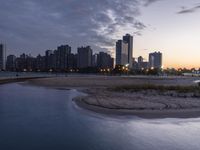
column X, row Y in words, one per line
column 41, row 118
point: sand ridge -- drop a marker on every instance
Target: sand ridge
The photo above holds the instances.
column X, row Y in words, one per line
column 102, row 100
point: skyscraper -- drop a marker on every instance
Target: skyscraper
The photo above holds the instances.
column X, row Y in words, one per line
column 129, row 40
column 155, row 60
column 104, row 60
column 84, row 57
column 10, row 63
column 40, row 63
column 94, row 60
column 121, row 53
column 72, row 64
column 2, row 57
column 49, row 60
column 140, row 60
column 63, row 56
column 21, row 62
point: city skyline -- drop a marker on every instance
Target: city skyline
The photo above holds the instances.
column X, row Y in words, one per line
column 34, row 26
column 61, row 59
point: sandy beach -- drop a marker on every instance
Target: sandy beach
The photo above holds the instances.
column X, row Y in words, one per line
column 142, row 104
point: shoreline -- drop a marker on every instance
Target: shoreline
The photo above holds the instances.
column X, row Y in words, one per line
column 101, row 101
column 17, row 79
column 145, row 114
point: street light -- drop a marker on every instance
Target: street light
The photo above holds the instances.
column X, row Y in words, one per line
column 127, row 65
column 197, row 82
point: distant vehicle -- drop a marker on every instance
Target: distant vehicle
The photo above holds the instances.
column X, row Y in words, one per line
column 193, row 74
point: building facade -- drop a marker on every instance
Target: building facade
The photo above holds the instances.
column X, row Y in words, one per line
column 155, row 60
column 10, row 63
column 95, row 60
column 104, row 60
column 84, row 57
column 49, row 60
column 142, row 64
column 129, row 40
column 63, row 53
column 121, row 53
column 2, row 57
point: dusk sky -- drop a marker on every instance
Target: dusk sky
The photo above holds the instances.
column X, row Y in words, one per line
column 169, row 26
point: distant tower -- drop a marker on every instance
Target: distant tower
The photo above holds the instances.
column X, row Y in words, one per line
column 155, row 60
column 2, row 57
column 84, row 57
column 48, row 60
column 140, row 59
column 94, row 60
column 11, row 63
column 129, row 40
column 104, row 60
column 64, row 52
column 121, row 52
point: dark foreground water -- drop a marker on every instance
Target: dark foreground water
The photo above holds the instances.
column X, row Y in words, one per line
column 33, row 118
column 29, row 74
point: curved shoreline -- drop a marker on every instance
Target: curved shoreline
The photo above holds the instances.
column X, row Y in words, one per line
column 146, row 114
column 100, row 100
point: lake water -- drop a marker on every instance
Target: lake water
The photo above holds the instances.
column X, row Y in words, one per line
column 36, row 118
column 28, row 74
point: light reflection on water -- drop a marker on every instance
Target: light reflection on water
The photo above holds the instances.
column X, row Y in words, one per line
column 41, row 118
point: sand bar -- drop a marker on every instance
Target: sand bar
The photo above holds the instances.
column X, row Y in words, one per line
column 147, row 105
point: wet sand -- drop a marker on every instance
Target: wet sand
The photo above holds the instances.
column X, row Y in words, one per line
column 146, row 105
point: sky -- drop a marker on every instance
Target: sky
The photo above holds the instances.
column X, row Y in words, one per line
column 169, row 26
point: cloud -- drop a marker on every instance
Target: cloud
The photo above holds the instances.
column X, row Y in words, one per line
column 35, row 25
column 189, row 10
column 149, row 2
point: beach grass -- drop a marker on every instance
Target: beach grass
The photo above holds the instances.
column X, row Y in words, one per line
column 159, row 88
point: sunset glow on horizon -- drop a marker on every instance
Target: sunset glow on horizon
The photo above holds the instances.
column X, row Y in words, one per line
column 174, row 32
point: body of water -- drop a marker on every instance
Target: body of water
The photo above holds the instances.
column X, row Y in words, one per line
column 36, row 118
column 25, row 74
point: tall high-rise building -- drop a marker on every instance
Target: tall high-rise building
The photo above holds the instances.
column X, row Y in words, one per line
column 104, row 60
column 94, row 60
column 84, row 57
column 10, row 63
column 121, row 53
column 135, row 64
column 2, row 57
column 40, row 63
column 72, row 61
column 63, row 56
column 49, row 60
column 129, row 40
column 140, row 59
column 142, row 64
column 155, row 60
column 21, row 63
column 30, row 63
